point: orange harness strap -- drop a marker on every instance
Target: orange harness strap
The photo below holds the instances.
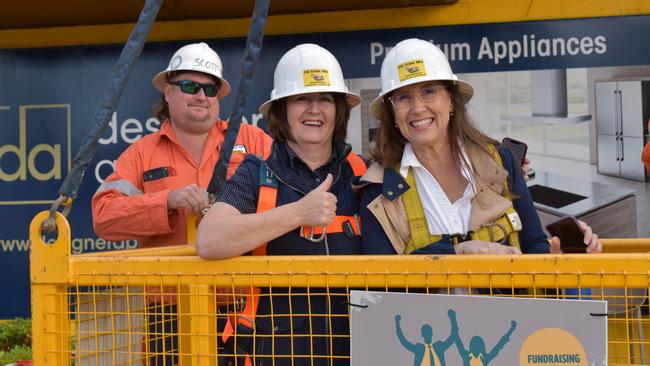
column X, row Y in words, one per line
column 336, row 226
column 266, row 201
column 357, row 164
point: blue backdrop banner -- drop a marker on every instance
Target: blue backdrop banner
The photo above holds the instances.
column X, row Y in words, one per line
column 49, row 95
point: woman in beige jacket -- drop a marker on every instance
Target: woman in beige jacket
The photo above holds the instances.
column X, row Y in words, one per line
column 439, row 184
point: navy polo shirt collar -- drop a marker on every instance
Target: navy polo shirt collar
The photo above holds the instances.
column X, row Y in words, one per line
column 394, row 184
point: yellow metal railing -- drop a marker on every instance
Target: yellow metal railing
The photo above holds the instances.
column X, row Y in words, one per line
column 100, row 309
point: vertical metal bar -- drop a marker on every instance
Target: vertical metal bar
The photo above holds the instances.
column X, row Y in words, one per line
column 616, row 129
column 49, row 279
column 622, row 139
column 197, row 325
column 620, row 109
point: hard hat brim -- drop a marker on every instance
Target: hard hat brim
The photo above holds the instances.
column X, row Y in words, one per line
column 465, row 90
column 160, row 79
column 352, row 99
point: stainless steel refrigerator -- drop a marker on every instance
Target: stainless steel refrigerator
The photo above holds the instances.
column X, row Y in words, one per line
column 622, row 112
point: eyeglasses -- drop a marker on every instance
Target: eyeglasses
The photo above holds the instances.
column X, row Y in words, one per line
column 192, row 87
column 426, row 94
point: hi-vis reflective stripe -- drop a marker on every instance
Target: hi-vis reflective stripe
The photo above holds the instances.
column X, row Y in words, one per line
column 123, row 186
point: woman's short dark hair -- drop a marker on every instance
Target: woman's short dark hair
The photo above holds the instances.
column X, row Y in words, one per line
column 279, row 126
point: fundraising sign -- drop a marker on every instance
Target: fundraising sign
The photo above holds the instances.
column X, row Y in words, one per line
column 475, row 330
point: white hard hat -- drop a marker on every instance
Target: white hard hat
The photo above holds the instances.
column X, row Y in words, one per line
column 412, row 61
column 194, row 57
column 308, row 68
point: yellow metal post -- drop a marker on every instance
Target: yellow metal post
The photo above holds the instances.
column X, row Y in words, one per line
column 192, row 224
column 49, row 278
column 197, row 326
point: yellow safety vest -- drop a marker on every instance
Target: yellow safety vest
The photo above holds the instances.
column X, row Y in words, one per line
column 494, row 231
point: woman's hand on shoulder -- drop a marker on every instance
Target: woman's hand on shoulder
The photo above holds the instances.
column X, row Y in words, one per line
column 484, row 247
column 591, row 240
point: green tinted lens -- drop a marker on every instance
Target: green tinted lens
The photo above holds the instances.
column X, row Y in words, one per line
column 189, row 87
column 210, row 90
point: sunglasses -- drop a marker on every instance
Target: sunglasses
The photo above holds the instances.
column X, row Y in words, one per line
column 192, row 87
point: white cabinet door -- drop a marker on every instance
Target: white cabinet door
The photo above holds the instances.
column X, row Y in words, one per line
column 631, row 108
column 608, row 162
column 606, row 108
column 631, row 166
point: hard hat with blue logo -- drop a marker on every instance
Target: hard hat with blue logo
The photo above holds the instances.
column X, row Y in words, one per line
column 308, row 68
column 412, row 61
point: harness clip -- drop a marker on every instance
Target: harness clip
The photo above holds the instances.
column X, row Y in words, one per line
column 459, row 238
column 491, row 232
column 310, row 234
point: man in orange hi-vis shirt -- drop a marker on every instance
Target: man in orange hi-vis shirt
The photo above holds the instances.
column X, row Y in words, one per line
column 645, row 155
column 162, row 178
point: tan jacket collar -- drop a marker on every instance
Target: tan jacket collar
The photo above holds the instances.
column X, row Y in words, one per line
column 374, row 174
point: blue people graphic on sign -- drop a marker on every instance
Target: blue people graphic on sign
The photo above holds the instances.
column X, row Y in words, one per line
column 477, row 354
column 429, row 353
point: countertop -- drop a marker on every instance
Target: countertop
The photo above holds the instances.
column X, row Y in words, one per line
column 597, row 195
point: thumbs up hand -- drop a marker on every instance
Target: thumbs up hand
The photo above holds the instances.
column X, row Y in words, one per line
column 318, row 207
column 327, row 183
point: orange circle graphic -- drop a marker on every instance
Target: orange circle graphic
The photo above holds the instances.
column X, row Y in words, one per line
column 552, row 347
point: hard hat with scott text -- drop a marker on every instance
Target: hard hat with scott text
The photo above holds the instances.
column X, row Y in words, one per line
column 197, row 57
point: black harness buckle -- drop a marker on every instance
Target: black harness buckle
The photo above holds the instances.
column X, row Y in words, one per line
column 459, row 238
